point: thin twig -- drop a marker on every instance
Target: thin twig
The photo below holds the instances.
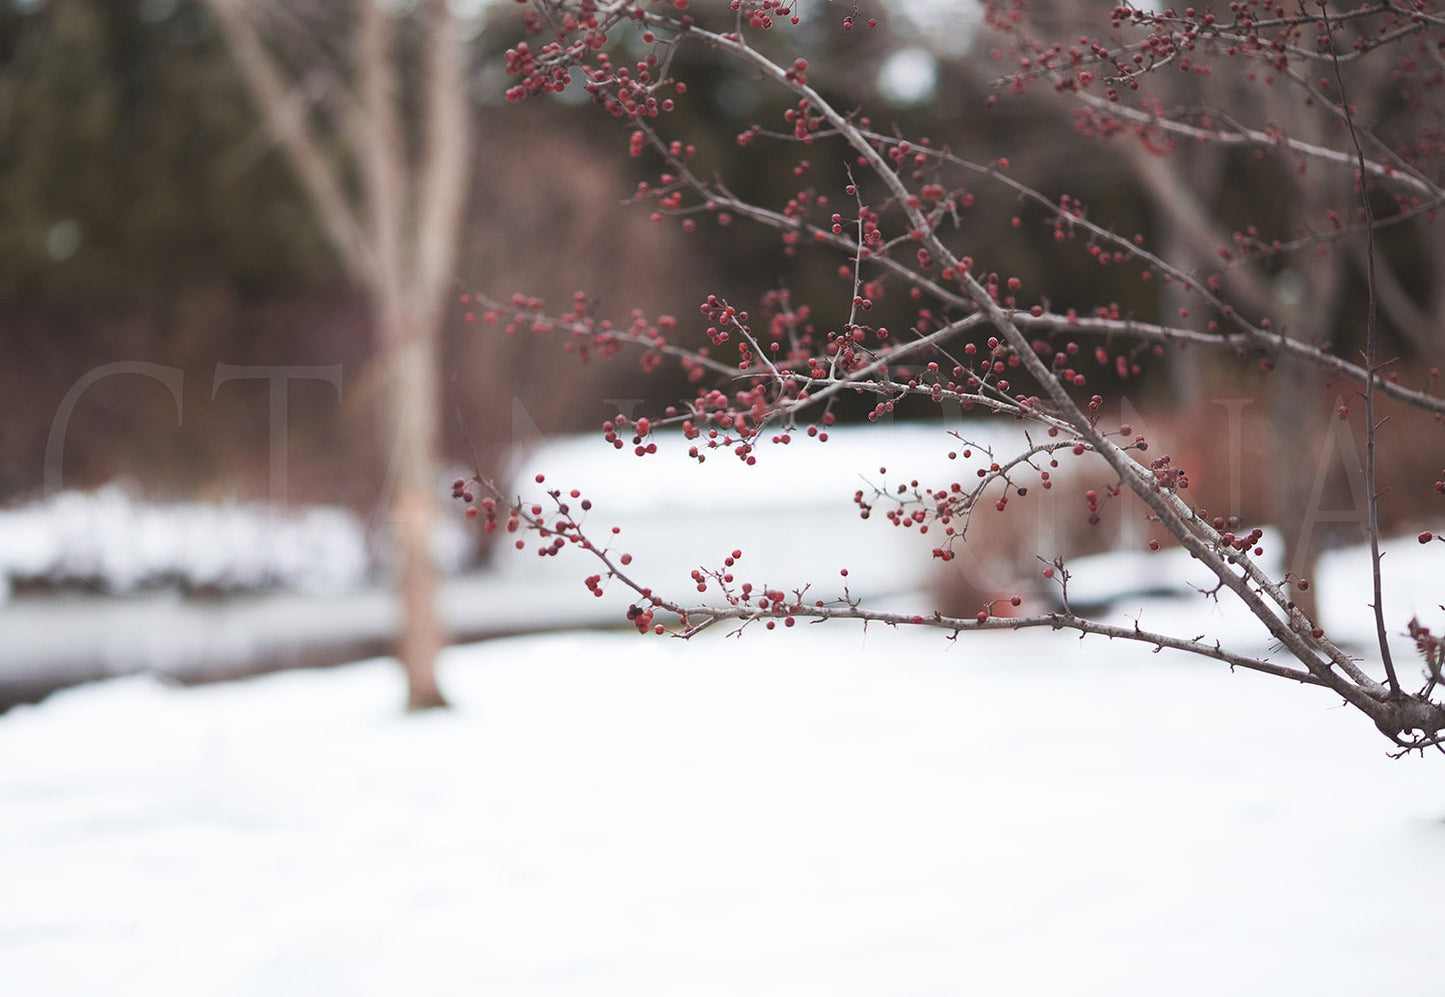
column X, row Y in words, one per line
column 1372, row 498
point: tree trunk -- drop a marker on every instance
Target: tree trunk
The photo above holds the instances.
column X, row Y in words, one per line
column 410, row 356
column 1301, row 414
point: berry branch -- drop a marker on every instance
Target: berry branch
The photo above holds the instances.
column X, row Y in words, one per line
column 746, row 603
column 976, row 342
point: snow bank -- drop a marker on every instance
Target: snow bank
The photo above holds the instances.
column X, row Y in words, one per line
column 118, row 544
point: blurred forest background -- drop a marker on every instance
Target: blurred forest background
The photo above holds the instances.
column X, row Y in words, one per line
column 145, row 215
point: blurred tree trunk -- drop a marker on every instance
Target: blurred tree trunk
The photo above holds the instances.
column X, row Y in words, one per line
column 383, row 158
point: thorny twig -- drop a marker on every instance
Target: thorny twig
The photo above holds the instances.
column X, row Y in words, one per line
column 1321, row 662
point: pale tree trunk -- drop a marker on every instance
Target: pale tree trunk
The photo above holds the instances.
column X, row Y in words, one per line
column 414, row 394
column 1187, row 236
column 1307, row 300
column 397, row 237
column 1301, row 412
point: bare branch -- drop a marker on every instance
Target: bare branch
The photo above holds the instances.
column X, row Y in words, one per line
column 278, row 102
column 1372, row 503
column 445, row 148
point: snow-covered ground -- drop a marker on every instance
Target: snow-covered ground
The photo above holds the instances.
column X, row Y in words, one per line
column 820, row 811
column 826, row 810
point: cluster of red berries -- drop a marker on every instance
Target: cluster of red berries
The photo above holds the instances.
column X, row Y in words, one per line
column 1244, row 543
column 461, row 490
column 1431, row 648
column 760, row 13
column 1167, row 476
column 642, row 619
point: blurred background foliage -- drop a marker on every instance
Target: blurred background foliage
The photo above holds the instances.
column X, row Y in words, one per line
column 145, row 215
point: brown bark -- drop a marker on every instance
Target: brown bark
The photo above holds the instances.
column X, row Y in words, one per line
column 414, row 514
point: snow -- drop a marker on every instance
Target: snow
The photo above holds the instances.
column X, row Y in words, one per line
column 823, row 811
column 118, row 544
